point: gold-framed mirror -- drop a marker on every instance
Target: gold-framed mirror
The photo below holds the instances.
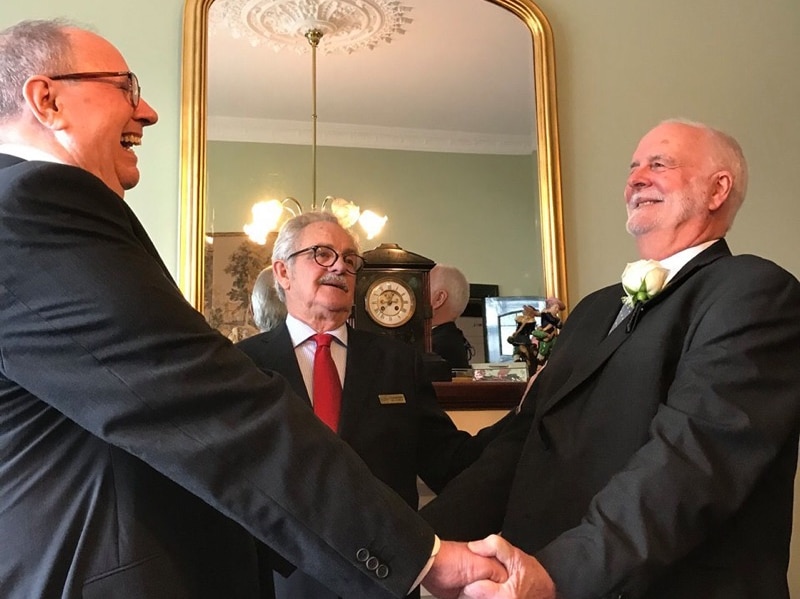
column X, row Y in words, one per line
column 194, row 218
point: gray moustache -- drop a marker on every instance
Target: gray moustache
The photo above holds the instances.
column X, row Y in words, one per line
column 335, row 280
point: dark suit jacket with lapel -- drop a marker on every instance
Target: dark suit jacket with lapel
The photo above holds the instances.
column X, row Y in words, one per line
column 449, row 342
column 398, row 441
column 657, row 461
column 124, row 416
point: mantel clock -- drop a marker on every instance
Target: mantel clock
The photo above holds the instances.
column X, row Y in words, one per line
column 393, row 295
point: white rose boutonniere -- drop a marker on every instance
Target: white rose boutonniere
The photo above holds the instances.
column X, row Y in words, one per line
column 642, row 280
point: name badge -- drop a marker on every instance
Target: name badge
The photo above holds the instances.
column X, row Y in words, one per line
column 392, row 398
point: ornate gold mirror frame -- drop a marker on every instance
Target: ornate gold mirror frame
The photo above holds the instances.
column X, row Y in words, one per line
column 193, row 147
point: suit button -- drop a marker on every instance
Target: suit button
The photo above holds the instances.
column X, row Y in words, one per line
column 362, row 555
column 372, row 564
column 382, row 571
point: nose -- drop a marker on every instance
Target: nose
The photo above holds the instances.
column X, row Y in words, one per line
column 339, row 267
column 145, row 113
column 637, row 178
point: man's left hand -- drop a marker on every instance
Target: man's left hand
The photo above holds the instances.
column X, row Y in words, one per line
column 456, row 566
column 527, row 578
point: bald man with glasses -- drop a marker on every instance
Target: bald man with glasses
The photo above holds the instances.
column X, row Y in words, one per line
column 140, row 452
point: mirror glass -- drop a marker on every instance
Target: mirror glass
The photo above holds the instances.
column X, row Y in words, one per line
column 447, row 125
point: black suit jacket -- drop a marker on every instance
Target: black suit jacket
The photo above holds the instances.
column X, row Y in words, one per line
column 449, row 342
column 128, row 427
column 657, row 461
column 398, row 441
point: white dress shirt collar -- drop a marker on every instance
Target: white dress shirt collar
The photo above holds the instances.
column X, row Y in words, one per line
column 304, row 349
column 300, row 331
column 28, row 153
column 677, row 261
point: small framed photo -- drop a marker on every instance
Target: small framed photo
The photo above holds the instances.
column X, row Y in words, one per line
column 499, row 317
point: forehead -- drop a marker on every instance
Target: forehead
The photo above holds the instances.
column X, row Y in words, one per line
column 91, row 52
column 675, row 140
column 324, row 233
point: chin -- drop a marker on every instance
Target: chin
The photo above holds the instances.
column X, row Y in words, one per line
column 636, row 228
column 129, row 183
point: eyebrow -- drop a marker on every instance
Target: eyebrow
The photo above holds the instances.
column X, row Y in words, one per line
column 344, row 252
column 669, row 160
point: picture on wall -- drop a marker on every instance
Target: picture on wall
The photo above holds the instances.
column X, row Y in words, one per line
column 232, row 263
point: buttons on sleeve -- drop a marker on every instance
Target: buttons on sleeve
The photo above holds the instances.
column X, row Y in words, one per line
column 372, row 563
column 362, row 555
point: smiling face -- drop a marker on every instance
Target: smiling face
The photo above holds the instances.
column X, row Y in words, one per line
column 322, row 297
column 674, row 191
column 97, row 125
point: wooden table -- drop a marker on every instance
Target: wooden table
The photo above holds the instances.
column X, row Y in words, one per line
column 479, row 395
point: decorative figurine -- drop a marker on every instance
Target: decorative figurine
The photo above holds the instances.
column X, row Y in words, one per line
column 533, row 341
column 525, row 346
column 548, row 330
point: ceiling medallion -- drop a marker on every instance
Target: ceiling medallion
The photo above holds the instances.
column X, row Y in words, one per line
column 347, row 25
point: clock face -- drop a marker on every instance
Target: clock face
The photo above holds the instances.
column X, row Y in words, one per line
column 390, row 302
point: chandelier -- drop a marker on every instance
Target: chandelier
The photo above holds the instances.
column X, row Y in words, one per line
column 350, row 25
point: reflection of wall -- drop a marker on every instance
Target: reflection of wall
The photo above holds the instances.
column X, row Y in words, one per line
column 459, row 209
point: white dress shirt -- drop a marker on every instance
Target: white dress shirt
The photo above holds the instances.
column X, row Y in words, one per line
column 677, row 261
column 304, row 349
column 28, row 153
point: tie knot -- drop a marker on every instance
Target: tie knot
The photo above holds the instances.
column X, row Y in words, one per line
column 323, row 339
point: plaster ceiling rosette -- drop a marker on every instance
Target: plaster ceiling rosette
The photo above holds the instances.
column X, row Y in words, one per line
column 346, row 25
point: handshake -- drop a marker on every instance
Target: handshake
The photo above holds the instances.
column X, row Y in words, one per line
column 491, row 568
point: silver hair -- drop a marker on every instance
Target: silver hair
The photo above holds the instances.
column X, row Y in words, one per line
column 286, row 243
column 454, row 282
column 727, row 155
column 34, row 47
column 268, row 309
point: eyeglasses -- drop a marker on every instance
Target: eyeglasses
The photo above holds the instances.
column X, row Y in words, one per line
column 133, row 86
column 327, row 257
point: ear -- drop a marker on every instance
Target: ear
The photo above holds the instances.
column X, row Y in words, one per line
column 438, row 299
column 721, row 185
column 41, row 98
column 281, row 273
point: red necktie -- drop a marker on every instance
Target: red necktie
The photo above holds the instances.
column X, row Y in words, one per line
column 327, row 388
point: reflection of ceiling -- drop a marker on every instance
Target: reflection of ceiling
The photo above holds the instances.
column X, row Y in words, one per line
column 348, row 25
column 458, row 79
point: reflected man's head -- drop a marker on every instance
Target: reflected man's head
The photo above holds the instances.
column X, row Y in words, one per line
column 449, row 293
column 268, row 309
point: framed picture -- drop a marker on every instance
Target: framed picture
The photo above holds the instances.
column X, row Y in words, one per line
column 232, row 263
column 471, row 320
column 499, row 317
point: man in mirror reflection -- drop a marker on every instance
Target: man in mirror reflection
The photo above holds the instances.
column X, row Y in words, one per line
column 140, row 451
column 386, row 408
column 654, row 459
column 449, row 298
column 268, row 308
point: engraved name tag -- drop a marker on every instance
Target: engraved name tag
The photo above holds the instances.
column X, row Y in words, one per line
column 392, row 398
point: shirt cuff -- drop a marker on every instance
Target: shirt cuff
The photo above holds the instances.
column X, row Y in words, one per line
column 436, row 545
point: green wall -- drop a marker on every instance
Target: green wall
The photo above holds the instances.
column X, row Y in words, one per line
column 477, row 210
column 622, row 65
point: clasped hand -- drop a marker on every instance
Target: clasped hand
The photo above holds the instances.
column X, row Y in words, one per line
column 491, row 568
